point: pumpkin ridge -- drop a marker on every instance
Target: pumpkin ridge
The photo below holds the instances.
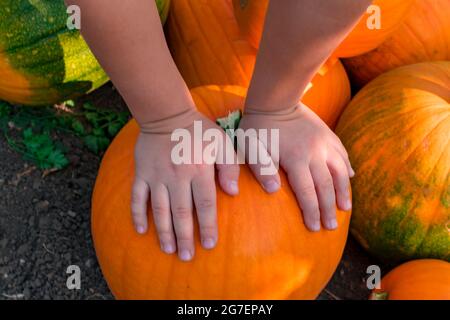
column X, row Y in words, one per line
column 391, row 178
column 426, row 136
column 430, row 225
column 436, row 205
column 386, row 142
column 208, row 46
column 208, row 42
column 362, row 114
column 177, row 26
column 241, row 66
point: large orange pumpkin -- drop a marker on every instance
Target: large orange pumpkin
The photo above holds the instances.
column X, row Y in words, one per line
column 426, row 279
column 264, row 250
column 397, row 133
column 208, row 49
column 251, row 15
column 423, row 36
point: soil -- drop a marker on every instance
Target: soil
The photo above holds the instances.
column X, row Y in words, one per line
column 45, row 228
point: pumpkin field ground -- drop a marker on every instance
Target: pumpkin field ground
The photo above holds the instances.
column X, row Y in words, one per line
column 45, row 228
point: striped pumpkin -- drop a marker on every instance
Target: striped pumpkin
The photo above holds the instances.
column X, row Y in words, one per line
column 41, row 61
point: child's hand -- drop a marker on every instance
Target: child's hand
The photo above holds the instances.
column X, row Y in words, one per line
column 175, row 189
column 314, row 159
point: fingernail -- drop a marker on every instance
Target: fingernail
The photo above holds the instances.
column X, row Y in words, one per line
column 271, row 186
column 185, row 255
column 315, row 226
column 140, row 229
column 348, row 204
column 168, row 248
column 208, row 243
column 352, row 173
column 332, row 224
column 234, row 188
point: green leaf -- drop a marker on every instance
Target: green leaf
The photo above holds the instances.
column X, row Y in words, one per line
column 95, row 143
column 92, row 117
column 28, row 133
column 231, row 121
column 113, row 128
column 5, row 109
column 98, row 132
column 57, row 159
column 88, row 106
column 78, row 127
column 43, row 151
column 69, row 103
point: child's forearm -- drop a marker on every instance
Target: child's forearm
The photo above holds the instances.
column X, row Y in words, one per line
column 299, row 35
column 128, row 40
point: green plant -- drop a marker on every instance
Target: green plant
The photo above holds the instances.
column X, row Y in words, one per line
column 34, row 132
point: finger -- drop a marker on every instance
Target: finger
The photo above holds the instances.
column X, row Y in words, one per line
column 341, row 182
column 228, row 178
column 261, row 163
column 139, row 199
column 302, row 183
column 162, row 217
column 181, row 205
column 228, row 167
column 339, row 147
column 323, row 183
column 204, row 193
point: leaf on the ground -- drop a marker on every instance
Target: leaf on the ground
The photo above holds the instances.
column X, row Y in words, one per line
column 96, row 143
column 78, row 127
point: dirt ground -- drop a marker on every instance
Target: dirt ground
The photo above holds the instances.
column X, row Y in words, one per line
column 45, row 227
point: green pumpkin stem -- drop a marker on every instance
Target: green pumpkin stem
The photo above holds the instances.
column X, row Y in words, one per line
column 381, row 295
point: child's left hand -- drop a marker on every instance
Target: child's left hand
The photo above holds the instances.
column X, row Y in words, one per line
column 314, row 159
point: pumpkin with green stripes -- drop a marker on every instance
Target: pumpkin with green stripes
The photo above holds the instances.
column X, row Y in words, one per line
column 41, row 61
column 397, row 133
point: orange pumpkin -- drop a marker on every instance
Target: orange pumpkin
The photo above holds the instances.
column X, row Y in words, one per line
column 264, row 250
column 423, row 36
column 426, row 279
column 397, row 133
column 206, row 43
column 251, row 15
column 329, row 92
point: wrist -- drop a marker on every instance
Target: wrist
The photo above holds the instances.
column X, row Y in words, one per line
column 274, row 112
column 166, row 125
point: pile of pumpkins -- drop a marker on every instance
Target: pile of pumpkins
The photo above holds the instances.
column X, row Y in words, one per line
column 396, row 130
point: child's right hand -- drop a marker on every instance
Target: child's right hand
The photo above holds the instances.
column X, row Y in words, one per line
column 175, row 189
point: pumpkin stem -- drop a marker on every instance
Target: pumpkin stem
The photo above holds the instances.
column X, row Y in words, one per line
column 230, row 123
column 380, row 295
